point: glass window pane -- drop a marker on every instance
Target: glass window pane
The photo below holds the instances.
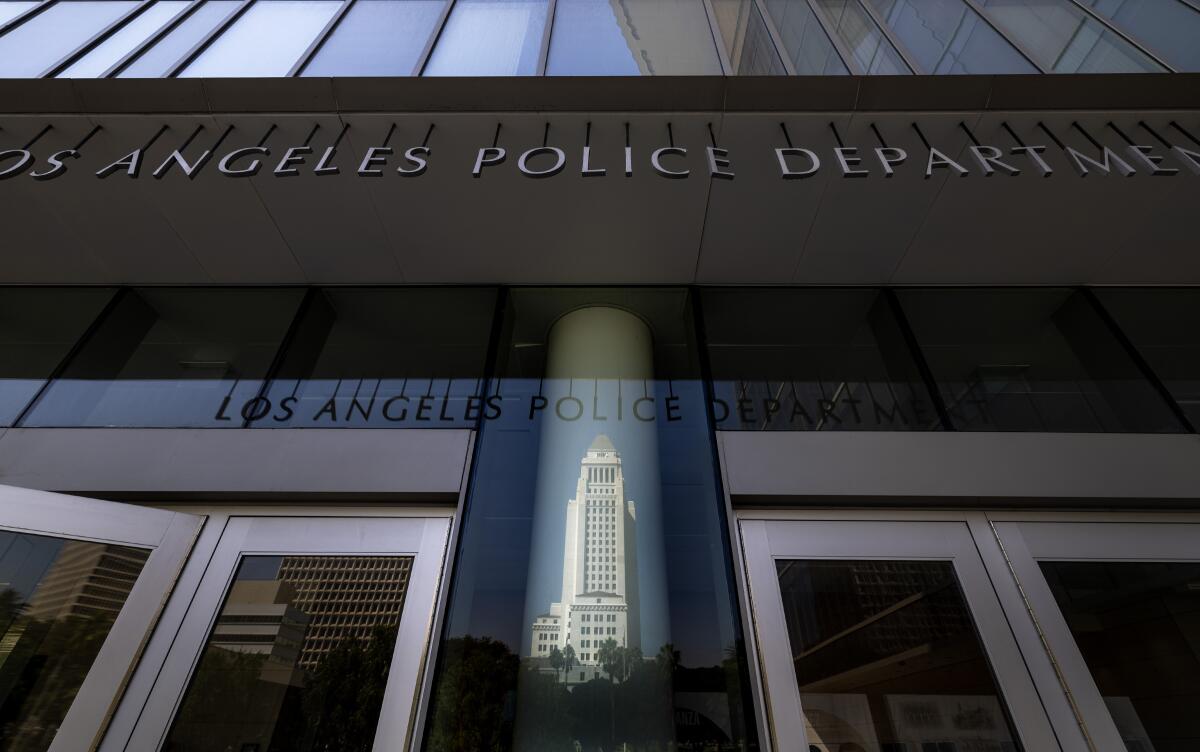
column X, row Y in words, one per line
column 490, row 38
column 58, row 601
column 1031, row 360
column 887, row 657
column 1065, row 39
column 38, row 327
column 10, row 9
column 592, row 601
column 812, row 360
column 107, row 53
column 1170, row 27
column 159, row 59
column 870, row 48
column 759, row 56
column 947, row 36
column 298, row 658
column 804, row 40
column 29, row 49
column 1138, row 628
column 378, row 38
column 185, row 357
column 632, row 38
column 266, row 40
column 384, row 358
column 1164, row 326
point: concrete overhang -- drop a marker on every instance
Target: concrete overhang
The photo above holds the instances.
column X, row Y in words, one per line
column 448, row 227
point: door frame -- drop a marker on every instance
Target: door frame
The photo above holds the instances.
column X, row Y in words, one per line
column 169, row 535
column 144, row 717
column 856, row 537
column 1029, row 538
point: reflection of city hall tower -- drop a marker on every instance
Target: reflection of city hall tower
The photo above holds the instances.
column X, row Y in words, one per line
column 599, row 592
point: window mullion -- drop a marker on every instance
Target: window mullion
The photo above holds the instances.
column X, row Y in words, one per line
column 153, row 39
column 1129, row 38
column 423, row 60
column 322, row 37
column 208, row 39
column 776, row 37
column 836, row 40
column 1016, row 43
column 96, row 39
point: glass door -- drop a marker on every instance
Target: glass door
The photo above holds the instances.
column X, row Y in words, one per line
column 885, row 636
column 81, row 584
column 304, row 635
column 1119, row 604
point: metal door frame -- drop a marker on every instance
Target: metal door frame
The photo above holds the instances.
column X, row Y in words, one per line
column 765, row 535
column 145, row 717
column 168, row 534
column 1028, row 538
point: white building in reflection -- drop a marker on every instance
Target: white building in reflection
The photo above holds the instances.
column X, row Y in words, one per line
column 599, row 592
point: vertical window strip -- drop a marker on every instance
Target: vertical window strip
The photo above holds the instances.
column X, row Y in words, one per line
column 151, row 40
column 836, row 40
column 717, row 39
column 21, row 18
column 1129, row 38
column 892, row 39
column 427, row 53
column 208, row 39
column 96, row 39
column 1016, row 43
column 544, row 52
column 320, row 40
column 776, row 39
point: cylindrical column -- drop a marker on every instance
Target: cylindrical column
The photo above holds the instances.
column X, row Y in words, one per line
column 596, row 593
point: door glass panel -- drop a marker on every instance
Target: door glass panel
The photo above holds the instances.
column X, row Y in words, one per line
column 132, row 34
column 298, row 658
column 267, row 40
column 168, row 51
column 887, row 658
column 58, row 601
column 1137, row 625
column 31, row 48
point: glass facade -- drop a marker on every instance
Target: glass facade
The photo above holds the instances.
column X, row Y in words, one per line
column 592, row 598
column 1110, row 360
column 270, row 38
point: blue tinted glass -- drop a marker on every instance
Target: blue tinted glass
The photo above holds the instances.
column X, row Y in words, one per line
column 378, row 38
column 490, row 38
column 267, row 40
column 1170, row 27
column 171, row 358
column 111, row 50
column 860, row 35
column 1065, row 39
column 804, row 41
column 31, row 48
column 10, row 9
column 947, row 36
column 38, row 327
column 630, row 38
column 159, row 59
